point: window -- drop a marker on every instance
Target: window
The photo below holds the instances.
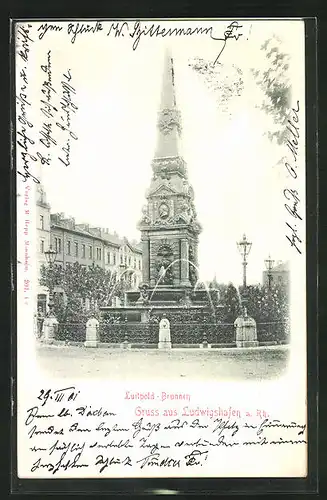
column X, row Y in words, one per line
column 129, row 261
column 108, row 258
column 98, row 253
column 114, row 258
column 69, row 245
column 125, row 260
column 42, row 246
column 83, row 251
column 58, row 245
column 41, row 304
column 41, row 222
column 140, row 264
column 76, row 249
column 134, row 262
column 90, row 252
column 121, row 258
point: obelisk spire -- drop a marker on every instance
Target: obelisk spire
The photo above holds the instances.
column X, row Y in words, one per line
column 169, row 119
column 168, row 96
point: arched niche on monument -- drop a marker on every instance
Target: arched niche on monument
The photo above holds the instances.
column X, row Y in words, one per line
column 164, row 269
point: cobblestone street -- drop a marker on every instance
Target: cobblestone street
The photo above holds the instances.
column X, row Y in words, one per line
column 196, row 364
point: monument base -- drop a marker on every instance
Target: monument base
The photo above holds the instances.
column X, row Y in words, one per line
column 48, row 341
column 125, row 345
column 164, row 345
column 247, row 343
column 90, row 343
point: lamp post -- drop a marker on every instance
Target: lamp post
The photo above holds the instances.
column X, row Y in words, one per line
column 50, row 256
column 269, row 263
column 244, row 248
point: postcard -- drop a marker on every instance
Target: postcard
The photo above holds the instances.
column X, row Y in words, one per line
column 161, row 248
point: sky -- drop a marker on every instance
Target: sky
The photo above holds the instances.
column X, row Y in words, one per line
column 232, row 165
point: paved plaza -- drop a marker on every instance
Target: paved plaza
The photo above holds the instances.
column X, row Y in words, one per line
column 197, row 364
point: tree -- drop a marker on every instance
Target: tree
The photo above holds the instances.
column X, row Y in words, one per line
column 253, row 300
column 224, row 81
column 78, row 284
column 230, row 299
column 275, row 83
column 267, row 305
column 275, row 303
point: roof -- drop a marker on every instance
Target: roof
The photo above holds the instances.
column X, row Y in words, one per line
column 281, row 266
column 84, row 229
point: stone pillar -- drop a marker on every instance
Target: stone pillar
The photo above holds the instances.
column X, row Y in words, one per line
column 92, row 326
column 246, row 331
column 164, row 334
column 145, row 259
column 184, row 263
column 50, row 327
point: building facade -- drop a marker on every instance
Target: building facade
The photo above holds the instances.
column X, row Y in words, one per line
column 43, row 235
column 278, row 275
column 83, row 244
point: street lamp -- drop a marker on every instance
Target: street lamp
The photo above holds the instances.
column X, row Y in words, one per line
column 50, row 257
column 244, row 248
column 269, row 263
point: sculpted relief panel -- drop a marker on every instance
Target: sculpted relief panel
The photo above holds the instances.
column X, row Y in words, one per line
column 168, row 119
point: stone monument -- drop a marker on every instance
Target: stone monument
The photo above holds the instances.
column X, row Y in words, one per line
column 169, row 226
column 246, row 331
column 164, row 334
column 50, row 327
column 92, row 327
column 170, row 232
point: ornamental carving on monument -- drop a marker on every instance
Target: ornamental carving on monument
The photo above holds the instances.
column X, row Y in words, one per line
column 144, row 293
column 164, row 272
column 188, row 190
column 185, row 215
column 163, row 167
column 165, row 250
column 168, row 161
column 145, row 215
column 164, row 211
column 196, row 227
column 193, row 275
column 168, row 119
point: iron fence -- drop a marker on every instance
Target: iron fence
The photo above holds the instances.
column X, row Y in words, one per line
column 138, row 333
column 273, row 332
column 71, row 332
column 181, row 333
